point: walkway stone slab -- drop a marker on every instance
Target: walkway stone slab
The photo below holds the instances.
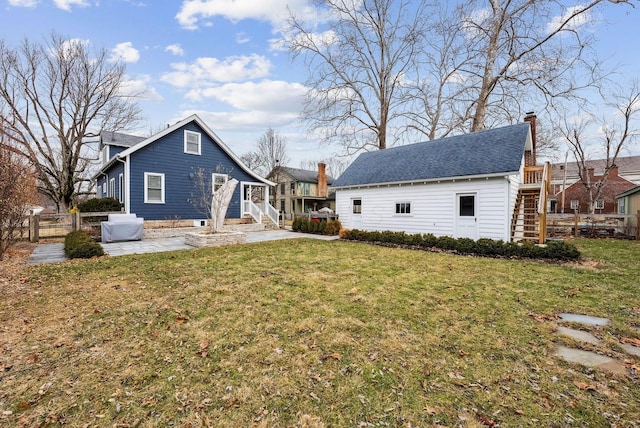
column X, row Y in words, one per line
column 579, row 335
column 590, row 359
column 630, row 349
column 584, row 319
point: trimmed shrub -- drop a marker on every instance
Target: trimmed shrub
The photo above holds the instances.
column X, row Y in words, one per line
column 482, row 247
column 79, row 245
column 304, row 225
column 97, row 205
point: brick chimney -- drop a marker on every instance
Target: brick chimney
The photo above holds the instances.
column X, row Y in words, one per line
column 322, row 180
column 613, row 172
column 530, row 155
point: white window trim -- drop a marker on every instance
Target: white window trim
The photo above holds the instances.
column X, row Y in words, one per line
column 213, row 180
column 406, row 204
column 121, row 188
column 146, row 188
column 599, row 204
column 186, row 134
column 112, row 188
column 104, row 188
column 575, row 204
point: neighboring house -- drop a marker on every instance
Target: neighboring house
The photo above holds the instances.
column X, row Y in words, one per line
column 155, row 177
column 301, row 190
column 576, row 197
column 480, row 185
column 629, row 204
column 564, row 175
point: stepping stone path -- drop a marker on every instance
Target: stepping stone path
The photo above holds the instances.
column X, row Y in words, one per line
column 590, row 358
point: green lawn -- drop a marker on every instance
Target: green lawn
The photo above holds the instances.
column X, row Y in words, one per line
column 315, row 333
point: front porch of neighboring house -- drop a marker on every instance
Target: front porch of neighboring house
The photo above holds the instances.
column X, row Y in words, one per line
column 529, row 221
column 255, row 204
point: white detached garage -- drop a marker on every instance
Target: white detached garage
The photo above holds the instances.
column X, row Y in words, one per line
column 479, row 185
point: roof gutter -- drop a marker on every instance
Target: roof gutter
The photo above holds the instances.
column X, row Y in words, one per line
column 505, row 174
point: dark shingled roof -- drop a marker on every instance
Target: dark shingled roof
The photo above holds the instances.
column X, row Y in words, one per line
column 119, row 139
column 492, row 151
column 305, row 175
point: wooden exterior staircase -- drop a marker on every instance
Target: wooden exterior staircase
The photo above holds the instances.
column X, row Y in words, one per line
column 529, row 221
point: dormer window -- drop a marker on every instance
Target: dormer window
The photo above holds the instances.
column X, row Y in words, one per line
column 192, row 142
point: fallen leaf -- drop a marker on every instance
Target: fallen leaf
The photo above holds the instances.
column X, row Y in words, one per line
column 519, row 412
column 32, row 358
column 204, row 345
column 636, row 309
column 631, row 340
column 430, row 410
column 462, row 353
column 485, row 420
column 334, row 356
column 584, row 386
column 182, row 319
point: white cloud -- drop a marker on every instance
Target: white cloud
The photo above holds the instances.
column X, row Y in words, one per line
column 66, row 4
column 125, row 52
column 242, row 38
column 275, row 96
column 23, row 3
column 139, row 87
column 193, row 12
column 574, row 23
column 175, row 49
column 206, row 71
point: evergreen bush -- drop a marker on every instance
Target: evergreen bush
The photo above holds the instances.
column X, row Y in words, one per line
column 97, row 205
column 481, row 247
column 79, row 245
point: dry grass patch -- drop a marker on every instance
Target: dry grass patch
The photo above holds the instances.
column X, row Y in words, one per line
column 311, row 333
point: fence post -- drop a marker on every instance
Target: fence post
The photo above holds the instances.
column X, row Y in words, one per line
column 78, row 220
column 34, row 227
column 575, row 223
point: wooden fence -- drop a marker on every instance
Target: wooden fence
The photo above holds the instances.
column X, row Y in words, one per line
column 58, row 225
column 598, row 225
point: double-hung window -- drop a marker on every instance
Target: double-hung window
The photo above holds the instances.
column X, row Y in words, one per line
column 600, row 204
column 218, row 181
column 575, row 204
column 192, row 142
column 153, row 188
column 112, row 188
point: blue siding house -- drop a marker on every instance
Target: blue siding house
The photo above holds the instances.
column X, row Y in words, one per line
column 155, row 177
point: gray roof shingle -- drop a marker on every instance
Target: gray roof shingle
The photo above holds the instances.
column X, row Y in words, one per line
column 305, row 175
column 119, row 139
column 491, row 151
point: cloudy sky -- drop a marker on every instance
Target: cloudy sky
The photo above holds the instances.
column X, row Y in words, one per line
column 222, row 58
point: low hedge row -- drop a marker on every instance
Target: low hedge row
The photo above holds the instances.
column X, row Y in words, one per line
column 330, row 227
column 79, row 245
column 97, row 205
column 481, row 247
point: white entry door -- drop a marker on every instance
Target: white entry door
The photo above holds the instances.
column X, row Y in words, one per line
column 466, row 215
column 356, row 213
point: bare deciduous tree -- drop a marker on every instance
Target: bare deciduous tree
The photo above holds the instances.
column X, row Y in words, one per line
column 55, row 99
column 17, row 191
column 617, row 134
column 385, row 69
column 357, row 67
column 335, row 166
column 271, row 151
